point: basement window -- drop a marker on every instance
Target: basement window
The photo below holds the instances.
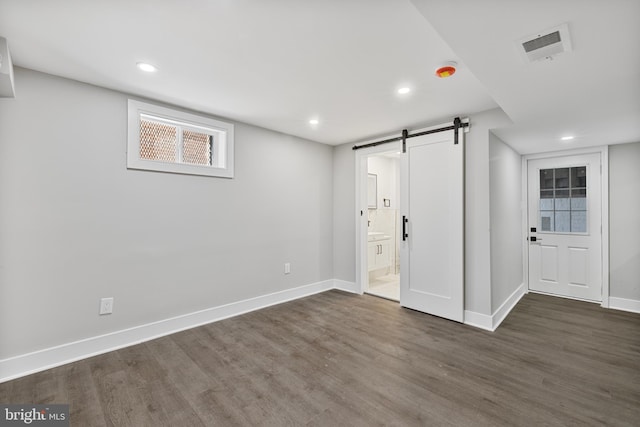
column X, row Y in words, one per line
column 167, row 140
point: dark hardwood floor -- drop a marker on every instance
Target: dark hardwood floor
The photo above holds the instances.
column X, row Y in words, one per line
column 340, row 359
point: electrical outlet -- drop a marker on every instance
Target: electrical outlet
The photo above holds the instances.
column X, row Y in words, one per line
column 106, row 306
column 287, row 268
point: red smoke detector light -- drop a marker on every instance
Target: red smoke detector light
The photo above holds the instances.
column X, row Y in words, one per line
column 446, row 70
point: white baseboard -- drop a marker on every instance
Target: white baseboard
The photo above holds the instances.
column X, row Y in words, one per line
column 501, row 313
column 343, row 285
column 25, row 364
column 478, row 320
column 632, row 305
column 491, row 323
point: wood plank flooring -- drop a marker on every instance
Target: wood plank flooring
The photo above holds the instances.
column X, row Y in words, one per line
column 340, row 359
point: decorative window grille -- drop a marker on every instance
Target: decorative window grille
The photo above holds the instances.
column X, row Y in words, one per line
column 166, row 140
column 563, row 200
column 197, row 148
column 158, row 141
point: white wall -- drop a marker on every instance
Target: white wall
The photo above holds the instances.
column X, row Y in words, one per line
column 505, row 176
column 477, row 211
column 385, row 169
column 344, row 210
column 624, row 221
column 76, row 225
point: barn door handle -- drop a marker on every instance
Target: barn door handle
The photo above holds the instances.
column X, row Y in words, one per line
column 404, row 227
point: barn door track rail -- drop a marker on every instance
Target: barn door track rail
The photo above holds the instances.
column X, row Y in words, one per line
column 457, row 124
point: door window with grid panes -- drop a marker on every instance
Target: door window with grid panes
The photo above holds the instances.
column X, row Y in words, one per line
column 563, row 200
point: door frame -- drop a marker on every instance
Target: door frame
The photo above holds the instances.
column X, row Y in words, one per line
column 362, row 205
column 361, row 156
column 604, row 165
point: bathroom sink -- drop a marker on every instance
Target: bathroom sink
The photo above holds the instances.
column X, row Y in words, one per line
column 377, row 235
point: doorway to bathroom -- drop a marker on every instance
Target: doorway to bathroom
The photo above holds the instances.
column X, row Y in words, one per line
column 383, row 225
column 411, row 230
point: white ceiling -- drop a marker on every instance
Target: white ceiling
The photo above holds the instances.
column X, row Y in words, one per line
column 279, row 63
column 592, row 92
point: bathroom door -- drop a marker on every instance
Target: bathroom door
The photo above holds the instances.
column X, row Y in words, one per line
column 432, row 205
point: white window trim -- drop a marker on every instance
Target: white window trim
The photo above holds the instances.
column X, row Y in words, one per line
column 189, row 121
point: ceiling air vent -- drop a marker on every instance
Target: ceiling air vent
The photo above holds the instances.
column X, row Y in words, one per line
column 546, row 44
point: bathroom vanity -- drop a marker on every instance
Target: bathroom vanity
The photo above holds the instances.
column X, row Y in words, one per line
column 379, row 248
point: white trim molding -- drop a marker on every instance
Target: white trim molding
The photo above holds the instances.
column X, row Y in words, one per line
column 478, row 320
column 362, row 208
column 604, row 162
column 25, row 364
column 491, row 323
column 30, row 363
column 343, row 285
column 501, row 313
column 624, row 304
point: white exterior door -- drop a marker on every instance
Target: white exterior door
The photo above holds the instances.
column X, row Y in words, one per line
column 432, row 205
column 565, row 226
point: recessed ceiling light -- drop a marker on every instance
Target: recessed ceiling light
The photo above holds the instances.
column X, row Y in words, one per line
column 404, row 90
column 314, row 121
column 567, row 138
column 147, row 67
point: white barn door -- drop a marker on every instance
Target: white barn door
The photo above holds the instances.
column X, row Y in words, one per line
column 432, row 205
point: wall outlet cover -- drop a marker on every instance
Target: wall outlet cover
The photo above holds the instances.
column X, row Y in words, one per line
column 106, row 306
